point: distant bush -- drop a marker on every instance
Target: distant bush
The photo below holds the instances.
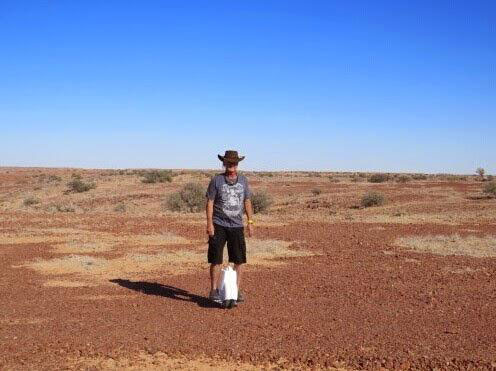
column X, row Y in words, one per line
column 490, row 178
column 31, row 201
column 78, row 186
column 270, row 175
column 316, row 191
column 191, row 198
column 261, row 202
column 373, row 199
column 157, row 176
column 490, row 188
column 419, row 177
column 455, row 178
column 358, row 178
column 61, row 208
column 378, row 178
column 120, row 208
column 403, row 179
column 480, row 172
column 54, row 178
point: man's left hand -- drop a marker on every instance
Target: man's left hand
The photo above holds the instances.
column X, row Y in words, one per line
column 250, row 230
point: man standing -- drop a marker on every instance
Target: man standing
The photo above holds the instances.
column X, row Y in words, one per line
column 228, row 197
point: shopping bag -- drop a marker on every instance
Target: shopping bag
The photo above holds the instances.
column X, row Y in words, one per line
column 228, row 287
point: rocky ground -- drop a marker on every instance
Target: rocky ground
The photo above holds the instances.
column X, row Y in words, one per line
column 110, row 279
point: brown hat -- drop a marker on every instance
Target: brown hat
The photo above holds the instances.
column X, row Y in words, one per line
column 231, row 156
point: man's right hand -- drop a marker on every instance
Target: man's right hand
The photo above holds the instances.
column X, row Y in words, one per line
column 210, row 230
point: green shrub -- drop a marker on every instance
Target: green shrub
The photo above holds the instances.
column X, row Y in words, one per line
column 157, row 176
column 78, row 186
column 373, row 199
column 191, row 198
column 490, row 188
column 261, row 202
column 378, row 178
column 31, row 201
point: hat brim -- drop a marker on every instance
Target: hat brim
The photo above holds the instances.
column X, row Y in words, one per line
column 222, row 158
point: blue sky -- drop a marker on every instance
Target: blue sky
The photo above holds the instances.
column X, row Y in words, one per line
column 297, row 85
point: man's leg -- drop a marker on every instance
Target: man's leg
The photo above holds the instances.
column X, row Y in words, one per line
column 215, row 251
column 236, row 246
column 214, row 276
column 239, row 269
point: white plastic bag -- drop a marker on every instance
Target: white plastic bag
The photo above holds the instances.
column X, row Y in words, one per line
column 228, row 287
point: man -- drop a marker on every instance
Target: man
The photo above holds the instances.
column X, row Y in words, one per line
column 228, row 196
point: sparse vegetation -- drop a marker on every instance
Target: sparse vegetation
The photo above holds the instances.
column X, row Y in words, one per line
column 451, row 245
column 157, row 176
column 31, row 201
column 403, row 179
column 270, row 175
column 78, row 186
column 316, row 191
column 120, row 208
column 54, row 178
column 191, row 198
column 61, row 208
column 419, row 177
column 480, row 172
column 490, row 188
column 378, row 178
column 261, row 202
column 373, row 199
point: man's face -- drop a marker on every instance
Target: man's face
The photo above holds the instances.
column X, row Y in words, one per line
column 231, row 167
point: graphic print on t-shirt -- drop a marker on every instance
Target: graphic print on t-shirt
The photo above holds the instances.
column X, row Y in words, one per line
column 232, row 199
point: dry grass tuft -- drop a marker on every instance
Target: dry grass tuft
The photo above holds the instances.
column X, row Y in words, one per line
column 83, row 269
column 156, row 360
column 263, row 252
column 481, row 247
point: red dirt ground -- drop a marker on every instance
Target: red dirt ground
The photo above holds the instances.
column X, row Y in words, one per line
column 361, row 302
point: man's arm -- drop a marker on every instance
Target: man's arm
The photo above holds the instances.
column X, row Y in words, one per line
column 210, row 214
column 249, row 215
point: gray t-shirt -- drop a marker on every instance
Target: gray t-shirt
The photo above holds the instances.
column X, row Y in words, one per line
column 228, row 198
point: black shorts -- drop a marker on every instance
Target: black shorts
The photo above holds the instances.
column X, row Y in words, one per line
column 236, row 245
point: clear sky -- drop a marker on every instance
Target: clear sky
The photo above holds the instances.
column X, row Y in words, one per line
column 299, row 85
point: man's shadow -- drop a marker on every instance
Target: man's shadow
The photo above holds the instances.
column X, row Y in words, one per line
column 171, row 292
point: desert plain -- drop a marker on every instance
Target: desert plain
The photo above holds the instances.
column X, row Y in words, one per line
column 110, row 278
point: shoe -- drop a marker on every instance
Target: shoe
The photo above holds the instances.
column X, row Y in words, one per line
column 241, row 297
column 229, row 304
column 214, row 296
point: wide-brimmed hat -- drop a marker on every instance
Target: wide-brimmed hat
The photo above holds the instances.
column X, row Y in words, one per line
column 231, row 156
